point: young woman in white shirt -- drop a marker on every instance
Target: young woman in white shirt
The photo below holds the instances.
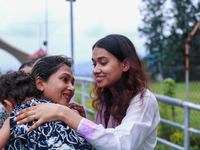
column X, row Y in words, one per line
column 127, row 112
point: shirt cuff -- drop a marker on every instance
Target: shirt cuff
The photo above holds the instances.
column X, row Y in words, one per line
column 86, row 128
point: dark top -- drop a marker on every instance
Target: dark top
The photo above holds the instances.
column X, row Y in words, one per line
column 51, row 135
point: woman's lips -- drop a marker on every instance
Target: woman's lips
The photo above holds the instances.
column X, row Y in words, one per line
column 99, row 79
column 68, row 97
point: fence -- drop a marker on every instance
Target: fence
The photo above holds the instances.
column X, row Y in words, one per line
column 84, row 82
column 84, row 94
column 186, row 127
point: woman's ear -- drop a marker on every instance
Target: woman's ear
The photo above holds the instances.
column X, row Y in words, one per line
column 39, row 84
column 9, row 106
column 126, row 65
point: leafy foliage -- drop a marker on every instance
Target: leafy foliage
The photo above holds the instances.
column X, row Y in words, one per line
column 170, row 87
column 166, row 25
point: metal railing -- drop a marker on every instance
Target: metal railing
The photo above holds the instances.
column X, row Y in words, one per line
column 84, row 81
column 165, row 99
column 186, row 128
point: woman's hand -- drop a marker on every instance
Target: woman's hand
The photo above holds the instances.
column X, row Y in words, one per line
column 79, row 108
column 42, row 112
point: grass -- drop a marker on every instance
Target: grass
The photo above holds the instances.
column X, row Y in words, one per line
column 194, row 94
column 158, row 88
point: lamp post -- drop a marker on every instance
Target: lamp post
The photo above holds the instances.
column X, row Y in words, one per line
column 71, row 28
column 187, row 113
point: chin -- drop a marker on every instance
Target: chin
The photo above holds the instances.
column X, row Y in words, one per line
column 64, row 104
column 100, row 86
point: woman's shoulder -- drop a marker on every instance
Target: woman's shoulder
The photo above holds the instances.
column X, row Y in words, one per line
column 31, row 103
column 149, row 95
column 147, row 98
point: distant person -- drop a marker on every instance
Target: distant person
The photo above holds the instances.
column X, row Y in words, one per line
column 26, row 67
column 22, row 90
column 127, row 111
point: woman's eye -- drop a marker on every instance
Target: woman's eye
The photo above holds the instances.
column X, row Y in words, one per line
column 104, row 63
column 94, row 65
column 64, row 79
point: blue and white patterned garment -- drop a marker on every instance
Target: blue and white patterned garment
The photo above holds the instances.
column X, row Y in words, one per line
column 52, row 135
column 3, row 115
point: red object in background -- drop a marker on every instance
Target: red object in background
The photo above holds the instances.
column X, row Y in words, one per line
column 37, row 54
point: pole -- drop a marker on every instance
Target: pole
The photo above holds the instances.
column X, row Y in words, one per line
column 187, row 57
column 187, row 111
column 71, row 29
column 46, row 26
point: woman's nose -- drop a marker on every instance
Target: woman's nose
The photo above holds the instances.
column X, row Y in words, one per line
column 96, row 70
column 71, row 88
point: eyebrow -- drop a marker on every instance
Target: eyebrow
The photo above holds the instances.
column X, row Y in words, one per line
column 101, row 57
column 69, row 76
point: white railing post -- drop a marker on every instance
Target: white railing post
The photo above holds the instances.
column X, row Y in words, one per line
column 84, row 91
column 186, row 127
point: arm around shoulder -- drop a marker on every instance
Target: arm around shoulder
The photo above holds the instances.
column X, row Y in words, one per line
column 69, row 117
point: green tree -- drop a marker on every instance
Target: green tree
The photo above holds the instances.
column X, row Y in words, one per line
column 166, row 25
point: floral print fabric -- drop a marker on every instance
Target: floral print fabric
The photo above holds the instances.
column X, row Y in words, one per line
column 52, row 135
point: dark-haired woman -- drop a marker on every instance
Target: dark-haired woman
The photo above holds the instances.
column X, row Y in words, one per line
column 127, row 117
column 51, row 81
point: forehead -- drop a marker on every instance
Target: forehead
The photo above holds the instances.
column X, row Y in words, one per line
column 64, row 69
column 100, row 53
column 26, row 69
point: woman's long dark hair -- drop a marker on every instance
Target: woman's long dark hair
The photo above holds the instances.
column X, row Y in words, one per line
column 132, row 82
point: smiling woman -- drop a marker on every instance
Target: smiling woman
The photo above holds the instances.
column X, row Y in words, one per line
column 62, row 82
column 51, row 81
column 104, row 65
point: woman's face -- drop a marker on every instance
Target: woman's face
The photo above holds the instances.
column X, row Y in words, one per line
column 26, row 69
column 59, row 87
column 107, row 68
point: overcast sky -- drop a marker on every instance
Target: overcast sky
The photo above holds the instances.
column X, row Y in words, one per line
column 21, row 21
